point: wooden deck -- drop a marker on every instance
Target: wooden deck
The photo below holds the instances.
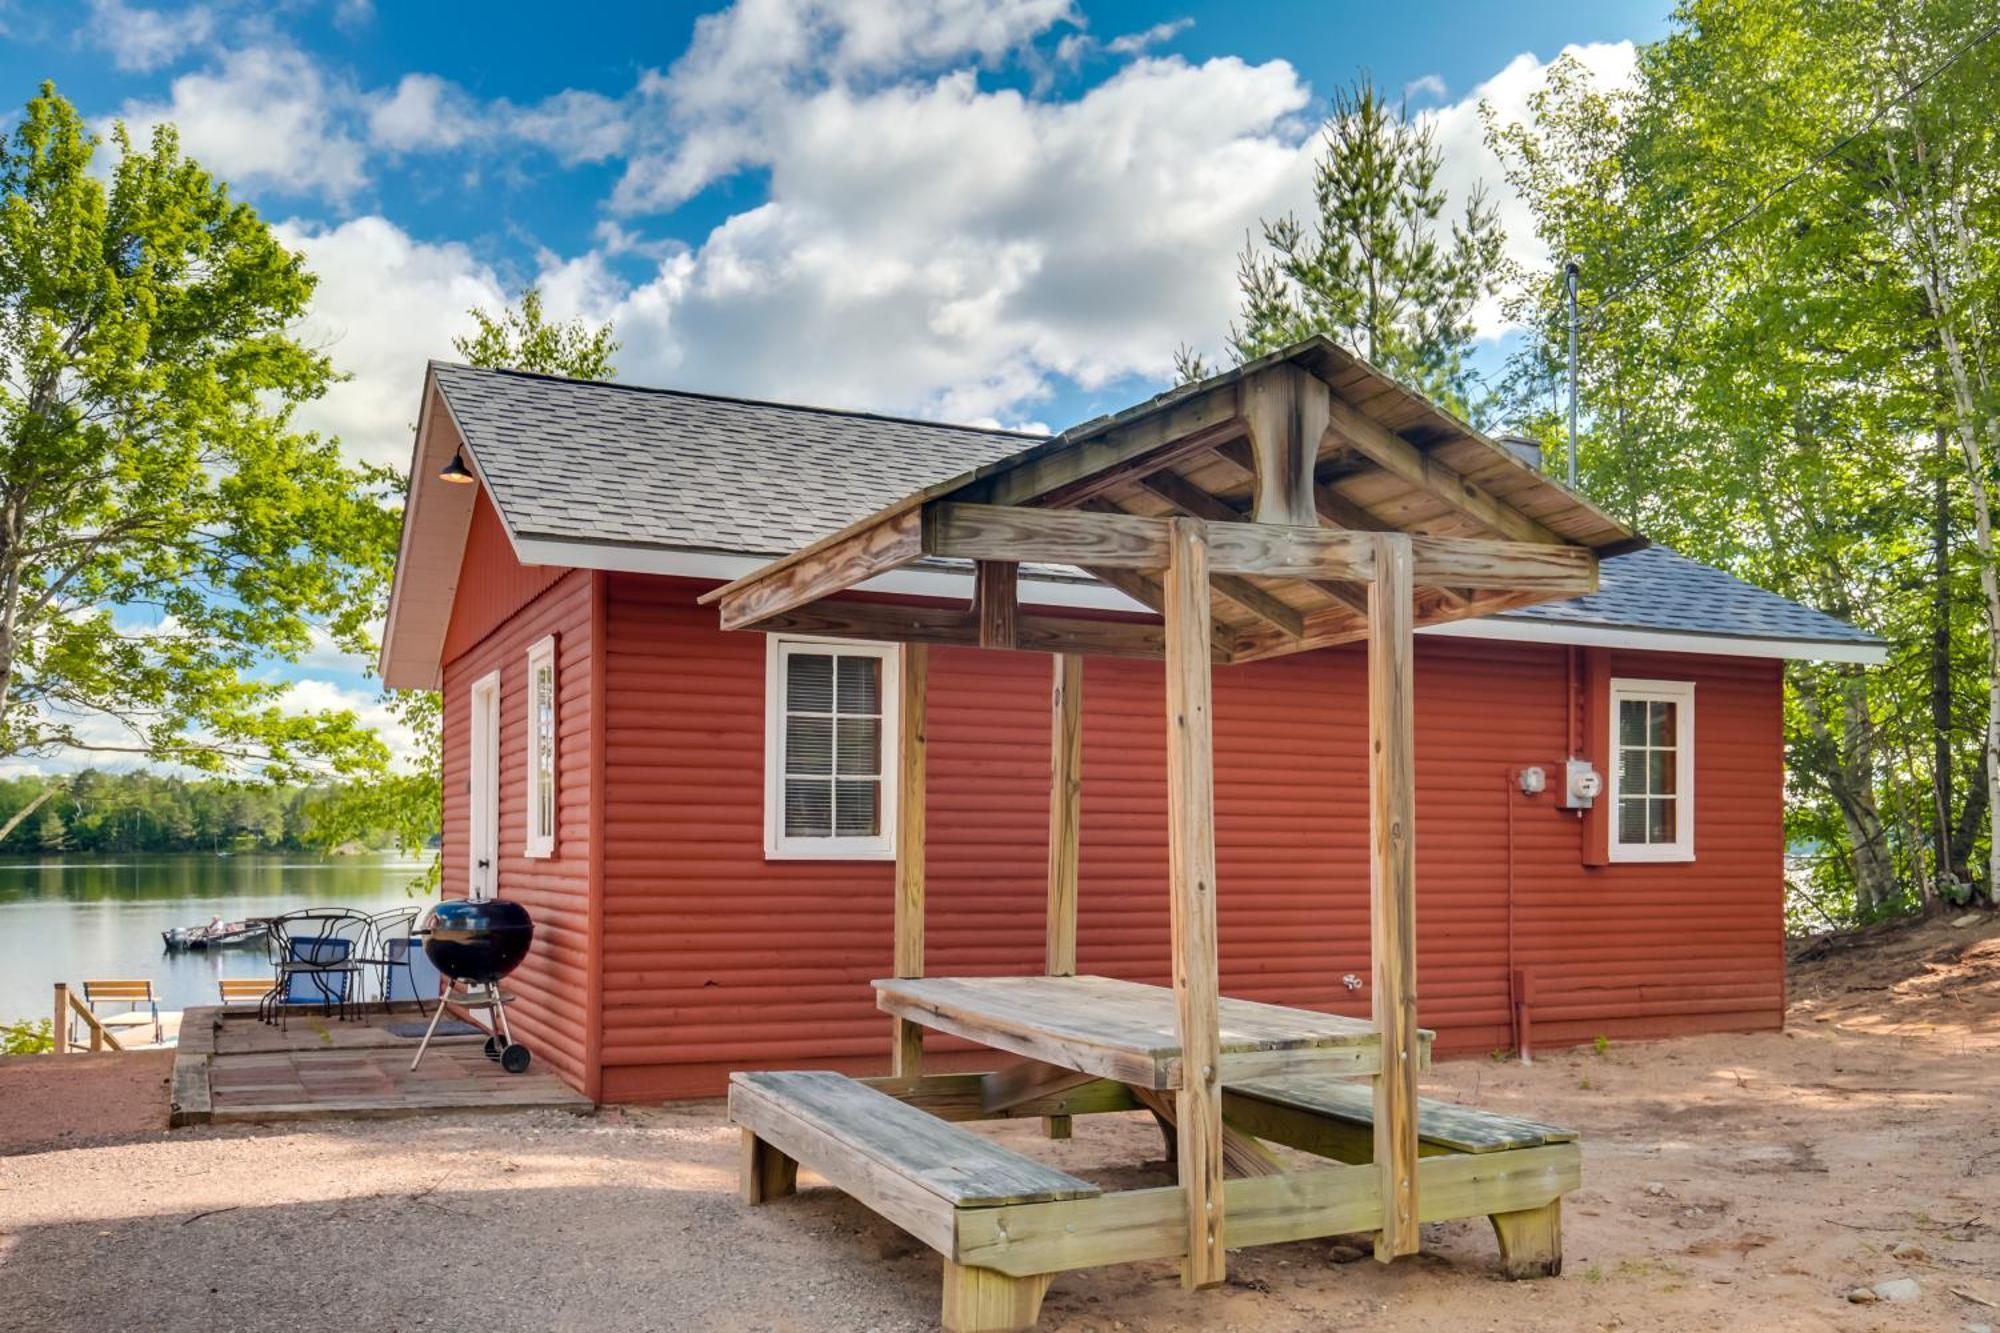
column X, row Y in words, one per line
column 233, row 1068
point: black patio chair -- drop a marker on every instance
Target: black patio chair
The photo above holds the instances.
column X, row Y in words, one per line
column 319, row 956
column 402, row 969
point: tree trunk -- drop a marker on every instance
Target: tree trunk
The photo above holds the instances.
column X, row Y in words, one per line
column 1941, row 767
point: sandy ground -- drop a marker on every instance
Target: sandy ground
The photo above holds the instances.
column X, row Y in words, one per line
column 1730, row 1182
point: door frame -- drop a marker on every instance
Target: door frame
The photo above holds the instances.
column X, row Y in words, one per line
column 482, row 851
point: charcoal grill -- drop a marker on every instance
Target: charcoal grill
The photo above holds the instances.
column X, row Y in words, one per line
column 475, row 942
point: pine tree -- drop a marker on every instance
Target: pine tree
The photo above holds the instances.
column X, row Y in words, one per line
column 1378, row 268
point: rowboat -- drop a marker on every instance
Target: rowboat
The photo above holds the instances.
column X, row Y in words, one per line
column 217, row 934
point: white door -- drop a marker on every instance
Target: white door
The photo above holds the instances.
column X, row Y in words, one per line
column 483, row 850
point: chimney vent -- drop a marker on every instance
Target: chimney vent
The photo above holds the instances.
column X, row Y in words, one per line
column 1524, row 447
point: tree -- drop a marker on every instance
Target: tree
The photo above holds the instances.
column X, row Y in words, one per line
column 521, row 338
column 1378, row 268
column 164, row 527
column 1767, row 367
column 409, row 804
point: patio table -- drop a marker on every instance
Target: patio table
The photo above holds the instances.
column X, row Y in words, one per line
column 1125, row 1030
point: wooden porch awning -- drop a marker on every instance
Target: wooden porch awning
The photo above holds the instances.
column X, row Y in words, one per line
column 1291, row 462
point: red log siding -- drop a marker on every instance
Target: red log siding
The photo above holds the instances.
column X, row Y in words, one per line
column 501, row 610
column 717, row 959
column 492, row 584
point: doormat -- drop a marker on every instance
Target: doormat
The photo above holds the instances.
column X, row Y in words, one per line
column 450, row 1027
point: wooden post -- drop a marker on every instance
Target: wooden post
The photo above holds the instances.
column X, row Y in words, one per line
column 996, row 602
column 1065, row 817
column 1191, row 871
column 61, row 1029
column 1065, row 810
column 1393, row 879
column 1286, row 411
column 907, row 1056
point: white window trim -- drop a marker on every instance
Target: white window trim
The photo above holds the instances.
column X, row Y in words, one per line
column 541, row 846
column 482, row 825
column 777, row 846
column 1681, row 693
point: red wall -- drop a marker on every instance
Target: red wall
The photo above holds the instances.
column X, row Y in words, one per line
column 500, row 611
column 715, row 959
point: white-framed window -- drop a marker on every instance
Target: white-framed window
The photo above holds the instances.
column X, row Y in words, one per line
column 541, row 768
column 482, row 824
column 1652, row 770
column 829, row 750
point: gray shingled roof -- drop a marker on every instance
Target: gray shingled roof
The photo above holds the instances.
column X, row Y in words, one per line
column 622, row 465
column 1659, row 589
column 572, row 460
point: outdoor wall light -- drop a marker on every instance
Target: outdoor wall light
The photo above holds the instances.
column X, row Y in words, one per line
column 456, row 471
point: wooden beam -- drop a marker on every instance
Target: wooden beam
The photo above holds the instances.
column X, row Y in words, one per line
column 1392, row 809
column 1065, row 812
column 894, row 542
column 996, row 602
column 1191, row 871
column 1403, row 460
column 913, row 692
column 1028, row 1081
column 894, row 623
column 1098, row 540
column 1127, row 1226
column 1098, row 462
column 1466, row 562
column 1285, row 411
column 1192, row 500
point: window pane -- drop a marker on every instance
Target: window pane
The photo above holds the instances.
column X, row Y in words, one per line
column 545, row 807
column 1631, row 820
column 809, row 745
column 808, row 683
column 1631, row 721
column 1661, row 825
column 857, row 812
column 808, row 809
column 1632, row 772
column 1663, row 724
column 860, row 745
column 1660, row 773
column 860, row 684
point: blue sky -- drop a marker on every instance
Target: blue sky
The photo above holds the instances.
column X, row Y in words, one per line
column 986, row 210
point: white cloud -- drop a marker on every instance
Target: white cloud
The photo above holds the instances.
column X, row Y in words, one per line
column 938, row 247
column 386, row 303
column 718, row 109
column 1426, row 87
column 1132, row 43
column 370, row 706
column 1461, row 137
column 425, row 112
column 576, row 126
column 265, row 116
column 142, row 40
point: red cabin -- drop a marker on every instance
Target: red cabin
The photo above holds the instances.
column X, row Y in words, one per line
column 703, row 823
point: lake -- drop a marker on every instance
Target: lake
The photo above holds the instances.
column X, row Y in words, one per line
column 67, row 918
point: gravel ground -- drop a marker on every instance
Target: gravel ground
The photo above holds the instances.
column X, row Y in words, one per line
column 1730, row 1182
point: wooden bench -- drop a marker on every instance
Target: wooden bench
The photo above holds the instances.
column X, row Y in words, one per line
column 911, row 1167
column 1335, row 1119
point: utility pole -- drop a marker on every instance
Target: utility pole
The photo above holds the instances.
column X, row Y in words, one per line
column 1569, row 278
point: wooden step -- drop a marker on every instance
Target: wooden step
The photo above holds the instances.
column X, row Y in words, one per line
column 1443, row 1125
column 906, row 1164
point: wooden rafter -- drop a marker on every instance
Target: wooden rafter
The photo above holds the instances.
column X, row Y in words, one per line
column 1409, row 464
column 1195, row 502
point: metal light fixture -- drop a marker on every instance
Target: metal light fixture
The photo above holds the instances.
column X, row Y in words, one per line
column 456, row 471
